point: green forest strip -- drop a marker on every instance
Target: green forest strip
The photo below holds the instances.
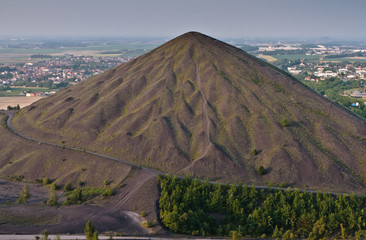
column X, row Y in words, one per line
column 190, row 206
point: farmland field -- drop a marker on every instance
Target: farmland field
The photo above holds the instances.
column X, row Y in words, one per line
column 22, row 55
column 13, row 101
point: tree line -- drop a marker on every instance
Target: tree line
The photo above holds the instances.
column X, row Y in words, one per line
column 195, row 207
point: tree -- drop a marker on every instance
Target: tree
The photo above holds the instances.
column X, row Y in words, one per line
column 234, row 235
column 318, row 229
column 96, row 235
column 90, row 232
column 24, row 195
column 52, row 196
column 45, row 235
column 287, row 235
column 277, row 233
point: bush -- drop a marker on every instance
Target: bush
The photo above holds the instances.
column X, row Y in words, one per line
column 80, row 195
column 147, row 224
column 255, row 152
column 285, row 122
column 46, row 181
column 261, row 170
column 75, row 197
column 67, row 187
column 107, row 193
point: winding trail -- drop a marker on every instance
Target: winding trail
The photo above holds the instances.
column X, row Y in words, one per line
column 206, row 120
column 206, row 125
column 153, row 172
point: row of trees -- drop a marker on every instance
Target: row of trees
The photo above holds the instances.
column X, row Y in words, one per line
column 17, row 107
column 190, row 206
column 73, row 196
column 90, row 233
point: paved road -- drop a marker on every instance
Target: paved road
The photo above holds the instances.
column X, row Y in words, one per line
column 10, row 115
column 82, row 237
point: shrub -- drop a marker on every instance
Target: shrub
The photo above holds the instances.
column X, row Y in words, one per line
column 147, row 224
column 75, row 197
column 261, row 170
column 255, row 152
column 107, row 193
column 80, row 183
column 285, row 122
column 67, row 187
column 46, row 181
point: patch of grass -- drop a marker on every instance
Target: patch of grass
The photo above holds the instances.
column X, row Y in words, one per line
column 81, row 195
column 143, row 214
column 148, row 224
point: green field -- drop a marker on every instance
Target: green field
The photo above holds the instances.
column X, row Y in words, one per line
column 344, row 60
column 315, row 58
column 22, row 55
column 297, row 56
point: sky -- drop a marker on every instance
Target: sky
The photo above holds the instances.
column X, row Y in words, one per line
column 166, row 18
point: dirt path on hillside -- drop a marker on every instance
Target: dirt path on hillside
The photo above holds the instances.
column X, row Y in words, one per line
column 132, row 186
column 206, row 125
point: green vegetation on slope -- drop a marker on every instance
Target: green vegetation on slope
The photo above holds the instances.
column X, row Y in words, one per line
column 81, row 195
column 190, row 206
column 334, row 88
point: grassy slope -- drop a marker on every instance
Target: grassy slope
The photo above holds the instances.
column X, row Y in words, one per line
column 19, row 157
column 153, row 111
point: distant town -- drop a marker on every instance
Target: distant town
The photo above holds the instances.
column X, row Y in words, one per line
column 336, row 70
column 56, row 72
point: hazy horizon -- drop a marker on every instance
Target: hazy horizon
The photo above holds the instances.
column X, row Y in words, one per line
column 336, row 19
